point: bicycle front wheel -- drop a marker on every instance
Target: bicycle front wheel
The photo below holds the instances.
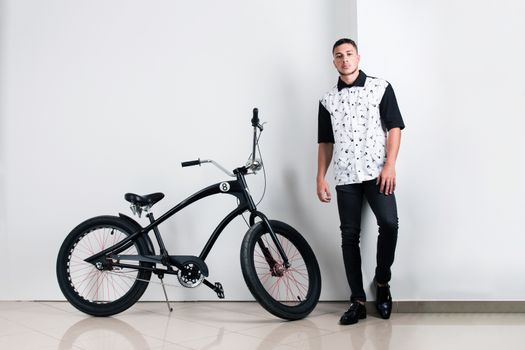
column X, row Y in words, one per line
column 100, row 292
column 289, row 293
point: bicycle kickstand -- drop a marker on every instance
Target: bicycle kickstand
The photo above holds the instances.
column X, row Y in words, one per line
column 161, row 277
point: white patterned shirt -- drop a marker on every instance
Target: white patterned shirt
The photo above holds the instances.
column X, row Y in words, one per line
column 356, row 118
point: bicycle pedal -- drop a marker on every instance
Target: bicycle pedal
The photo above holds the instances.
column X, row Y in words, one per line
column 219, row 290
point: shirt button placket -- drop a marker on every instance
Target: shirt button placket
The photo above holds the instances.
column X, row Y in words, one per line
column 356, row 135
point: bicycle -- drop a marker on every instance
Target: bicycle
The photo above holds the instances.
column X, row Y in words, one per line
column 105, row 263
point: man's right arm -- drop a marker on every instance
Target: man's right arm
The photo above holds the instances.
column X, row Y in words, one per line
column 325, row 139
column 324, row 157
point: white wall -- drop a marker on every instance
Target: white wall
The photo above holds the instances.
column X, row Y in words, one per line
column 457, row 68
column 100, row 98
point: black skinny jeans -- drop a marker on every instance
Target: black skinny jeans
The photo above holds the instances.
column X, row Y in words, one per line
column 349, row 202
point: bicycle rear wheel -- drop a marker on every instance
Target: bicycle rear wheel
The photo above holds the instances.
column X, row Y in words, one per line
column 289, row 293
column 100, row 292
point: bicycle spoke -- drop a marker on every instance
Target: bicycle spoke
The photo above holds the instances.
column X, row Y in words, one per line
column 92, row 284
column 291, row 288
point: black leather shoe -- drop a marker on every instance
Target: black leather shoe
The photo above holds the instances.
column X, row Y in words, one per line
column 355, row 313
column 384, row 301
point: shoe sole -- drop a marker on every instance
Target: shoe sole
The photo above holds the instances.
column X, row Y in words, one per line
column 361, row 317
column 381, row 315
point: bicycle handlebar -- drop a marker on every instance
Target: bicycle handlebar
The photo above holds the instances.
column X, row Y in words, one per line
column 255, row 118
column 253, row 163
column 191, row 163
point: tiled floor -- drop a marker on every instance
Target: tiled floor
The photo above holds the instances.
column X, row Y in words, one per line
column 245, row 325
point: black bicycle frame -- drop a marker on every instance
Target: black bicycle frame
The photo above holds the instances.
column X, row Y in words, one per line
column 237, row 188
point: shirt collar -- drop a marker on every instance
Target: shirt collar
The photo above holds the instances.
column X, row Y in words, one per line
column 360, row 81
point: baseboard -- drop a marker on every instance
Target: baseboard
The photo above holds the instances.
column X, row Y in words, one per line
column 458, row 306
column 427, row 306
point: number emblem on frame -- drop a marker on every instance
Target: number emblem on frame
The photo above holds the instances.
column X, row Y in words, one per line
column 224, row 186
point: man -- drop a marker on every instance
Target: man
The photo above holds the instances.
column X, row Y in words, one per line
column 360, row 129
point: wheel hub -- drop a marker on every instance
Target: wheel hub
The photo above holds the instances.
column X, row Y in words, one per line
column 278, row 270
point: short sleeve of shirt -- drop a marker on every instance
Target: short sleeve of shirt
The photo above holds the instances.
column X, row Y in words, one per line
column 389, row 110
column 325, row 133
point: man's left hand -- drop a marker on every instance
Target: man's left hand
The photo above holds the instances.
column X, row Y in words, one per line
column 387, row 179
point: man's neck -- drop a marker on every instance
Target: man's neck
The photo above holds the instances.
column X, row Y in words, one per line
column 350, row 78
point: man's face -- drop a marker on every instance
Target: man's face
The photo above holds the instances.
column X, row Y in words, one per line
column 346, row 59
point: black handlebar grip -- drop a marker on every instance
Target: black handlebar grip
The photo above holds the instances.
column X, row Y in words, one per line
column 191, row 163
column 255, row 118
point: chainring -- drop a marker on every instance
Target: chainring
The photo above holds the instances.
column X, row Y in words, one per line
column 190, row 276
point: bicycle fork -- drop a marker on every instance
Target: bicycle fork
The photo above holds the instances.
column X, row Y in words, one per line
column 276, row 268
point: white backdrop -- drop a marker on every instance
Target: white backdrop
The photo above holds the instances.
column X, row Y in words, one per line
column 457, row 69
column 100, row 98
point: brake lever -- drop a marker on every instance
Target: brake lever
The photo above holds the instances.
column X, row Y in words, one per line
column 261, row 126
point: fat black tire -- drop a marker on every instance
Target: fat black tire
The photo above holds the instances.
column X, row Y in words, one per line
column 102, row 229
column 258, row 284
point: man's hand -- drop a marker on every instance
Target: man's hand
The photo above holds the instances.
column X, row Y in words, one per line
column 387, row 179
column 323, row 191
column 323, row 161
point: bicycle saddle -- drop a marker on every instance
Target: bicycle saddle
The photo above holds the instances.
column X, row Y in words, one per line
column 147, row 200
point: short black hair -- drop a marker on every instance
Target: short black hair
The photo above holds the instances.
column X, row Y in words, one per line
column 344, row 41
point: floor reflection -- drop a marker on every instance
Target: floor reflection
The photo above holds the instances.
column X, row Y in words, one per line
column 103, row 333
column 208, row 325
